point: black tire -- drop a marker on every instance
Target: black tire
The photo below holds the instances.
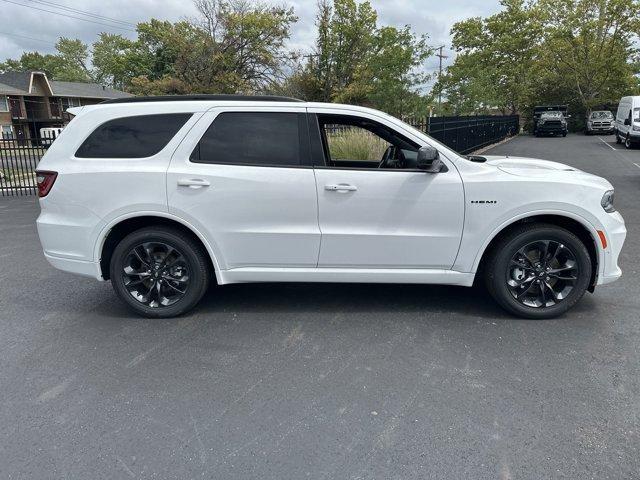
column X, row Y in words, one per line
column 499, row 263
column 192, row 258
column 628, row 144
column 618, row 141
column 564, row 134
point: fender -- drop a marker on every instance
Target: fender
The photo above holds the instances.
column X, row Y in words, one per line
column 593, row 231
column 155, row 213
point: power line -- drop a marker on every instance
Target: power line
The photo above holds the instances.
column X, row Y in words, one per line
column 68, row 16
column 83, row 12
column 28, row 38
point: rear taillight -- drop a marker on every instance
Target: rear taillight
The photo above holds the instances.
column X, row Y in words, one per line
column 45, row 182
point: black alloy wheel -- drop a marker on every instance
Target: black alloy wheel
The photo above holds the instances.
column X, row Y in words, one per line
column 542, row 273
column 160, row 272
column 155, row 274
column 537, row 270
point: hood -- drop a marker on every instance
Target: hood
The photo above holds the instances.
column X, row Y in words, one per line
column 528, row 167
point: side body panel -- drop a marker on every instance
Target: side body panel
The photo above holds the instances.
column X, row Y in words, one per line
column 253, row 216
column 89, row 193
column 496, row 199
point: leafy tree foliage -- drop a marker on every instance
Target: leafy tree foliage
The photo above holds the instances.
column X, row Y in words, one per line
column 356, row 61
column 234, row 46
column 577, row 52
column 70, row 63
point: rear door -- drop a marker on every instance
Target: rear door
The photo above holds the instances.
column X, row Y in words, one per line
column 243, row 177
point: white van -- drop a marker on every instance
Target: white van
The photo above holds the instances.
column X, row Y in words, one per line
column 628, row 121
column 49, row 134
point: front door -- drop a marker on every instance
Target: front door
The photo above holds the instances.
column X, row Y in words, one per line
column 241, row 176
column 376, row 209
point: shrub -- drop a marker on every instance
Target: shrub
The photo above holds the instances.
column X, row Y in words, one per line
column 355, row 144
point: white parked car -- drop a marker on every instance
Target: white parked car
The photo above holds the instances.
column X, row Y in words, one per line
column 163, row 195
column 628, row 121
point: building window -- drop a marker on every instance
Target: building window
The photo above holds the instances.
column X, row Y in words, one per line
column 54, row 106
column 7, row 132
column 68, row 102
column 4, row 103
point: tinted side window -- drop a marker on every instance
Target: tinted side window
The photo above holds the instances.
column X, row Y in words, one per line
column 132, row 137
column 253, row 138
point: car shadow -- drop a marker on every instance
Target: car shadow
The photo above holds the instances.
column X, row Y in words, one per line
column 424, row 302
column 349, row 298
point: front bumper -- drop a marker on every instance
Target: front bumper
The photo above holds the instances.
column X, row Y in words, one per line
column 616, row 233
column 551, row 129
column 601, row 129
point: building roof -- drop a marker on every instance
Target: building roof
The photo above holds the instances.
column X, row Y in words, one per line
column 87, row 90
column 9, row 90
column 21, row 83
column 17, row 80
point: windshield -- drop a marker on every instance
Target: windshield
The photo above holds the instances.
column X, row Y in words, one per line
column 599, row 115
column 551, row 115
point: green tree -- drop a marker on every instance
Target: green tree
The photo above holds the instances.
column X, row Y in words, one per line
column 355, row 61
column 578, row 52
column 71, row 63
column 588, row 49
column 495, row 56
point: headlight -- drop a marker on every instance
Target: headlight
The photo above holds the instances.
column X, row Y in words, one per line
column 607, row 202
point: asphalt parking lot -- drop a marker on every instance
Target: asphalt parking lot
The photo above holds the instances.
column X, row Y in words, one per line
column 321, row 381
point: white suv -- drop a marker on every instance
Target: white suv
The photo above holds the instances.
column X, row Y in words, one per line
column 162, row 194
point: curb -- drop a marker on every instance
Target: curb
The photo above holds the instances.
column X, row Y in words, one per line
column 489, row 147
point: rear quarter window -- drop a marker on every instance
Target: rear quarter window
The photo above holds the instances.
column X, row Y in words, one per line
column 132, row 137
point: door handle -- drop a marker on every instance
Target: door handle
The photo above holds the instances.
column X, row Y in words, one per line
column 341, row 187
column 193, row 182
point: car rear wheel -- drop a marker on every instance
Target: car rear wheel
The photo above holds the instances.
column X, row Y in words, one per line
column 159, row 272
column 538, row 271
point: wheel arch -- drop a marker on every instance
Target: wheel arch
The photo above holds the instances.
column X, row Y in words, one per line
column 576, row 225
column 122, row 226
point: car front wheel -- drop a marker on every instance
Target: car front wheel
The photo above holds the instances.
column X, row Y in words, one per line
column 627, row 142
column 538, row 271
column 159, row 272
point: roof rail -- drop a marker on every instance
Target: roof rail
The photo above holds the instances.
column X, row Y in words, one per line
column 201, row 97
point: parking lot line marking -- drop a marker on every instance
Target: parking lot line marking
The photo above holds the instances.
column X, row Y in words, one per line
column 636, row 164
column 607, row 144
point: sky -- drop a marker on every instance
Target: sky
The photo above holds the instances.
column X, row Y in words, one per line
column 30, row 27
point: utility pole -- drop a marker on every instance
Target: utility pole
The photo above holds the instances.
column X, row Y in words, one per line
column 440, row 56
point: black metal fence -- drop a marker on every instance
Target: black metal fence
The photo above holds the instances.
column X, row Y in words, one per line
column 19, row 157
column 468, row 134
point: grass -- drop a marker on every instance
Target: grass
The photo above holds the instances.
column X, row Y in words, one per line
column 355, row 144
